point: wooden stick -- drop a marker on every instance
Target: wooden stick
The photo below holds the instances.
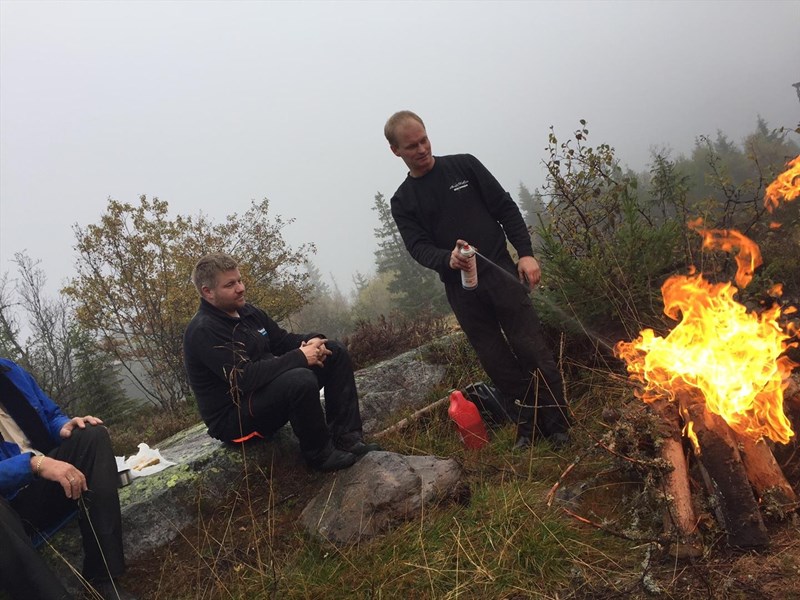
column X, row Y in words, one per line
column 679, row 516
column 411, row 418
column 791, row 407
column 791, row 395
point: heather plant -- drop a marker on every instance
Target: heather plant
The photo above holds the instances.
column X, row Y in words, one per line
column 382, row 338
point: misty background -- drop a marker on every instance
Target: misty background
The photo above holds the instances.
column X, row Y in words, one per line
column 209, row 105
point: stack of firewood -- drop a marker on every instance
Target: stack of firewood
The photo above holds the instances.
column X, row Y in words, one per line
column 741, row 475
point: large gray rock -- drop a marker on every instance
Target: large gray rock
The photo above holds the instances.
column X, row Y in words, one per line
column 381, row 490
column 157, row 507
column 399, row 384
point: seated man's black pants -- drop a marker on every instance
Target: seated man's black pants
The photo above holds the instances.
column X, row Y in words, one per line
column 293, row 397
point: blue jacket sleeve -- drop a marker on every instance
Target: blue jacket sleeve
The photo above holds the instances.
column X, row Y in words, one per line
column 15, row 469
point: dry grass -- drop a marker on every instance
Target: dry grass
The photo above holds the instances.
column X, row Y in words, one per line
column 374, row 341
column 599, row 538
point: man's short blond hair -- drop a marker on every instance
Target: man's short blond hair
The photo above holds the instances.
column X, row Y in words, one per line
column 207, row 268
column 397, row 119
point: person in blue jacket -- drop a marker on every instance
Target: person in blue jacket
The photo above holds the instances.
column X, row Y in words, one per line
column 51, row 465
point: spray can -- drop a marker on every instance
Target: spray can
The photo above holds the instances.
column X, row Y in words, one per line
column 468, row 419
column 469, row 278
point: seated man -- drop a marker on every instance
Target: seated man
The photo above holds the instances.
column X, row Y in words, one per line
column 51, row 465
column 250, row 377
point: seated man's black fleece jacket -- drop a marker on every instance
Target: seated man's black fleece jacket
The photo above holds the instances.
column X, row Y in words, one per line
column 227, row 358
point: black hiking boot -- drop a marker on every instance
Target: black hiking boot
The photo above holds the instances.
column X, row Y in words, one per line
column 360, row 448
column 559, row 440
column 333, row 460
column 523, row 443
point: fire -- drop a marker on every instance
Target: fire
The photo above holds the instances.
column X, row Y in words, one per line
column 786, row 186
column 748, row 256
column 732, row 358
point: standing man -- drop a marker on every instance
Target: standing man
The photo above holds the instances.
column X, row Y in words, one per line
column 446, row 202
column 51, row 466
column 250, row 377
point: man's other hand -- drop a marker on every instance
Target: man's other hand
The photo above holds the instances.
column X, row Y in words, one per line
column 315, row 351
column 529, row 271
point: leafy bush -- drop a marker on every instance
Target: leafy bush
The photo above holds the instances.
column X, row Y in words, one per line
column 608, row 245
column 611, row 238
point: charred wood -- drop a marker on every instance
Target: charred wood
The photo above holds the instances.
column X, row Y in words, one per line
column 725, row 477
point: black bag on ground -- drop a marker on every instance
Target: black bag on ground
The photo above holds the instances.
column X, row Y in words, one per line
column 490, row 402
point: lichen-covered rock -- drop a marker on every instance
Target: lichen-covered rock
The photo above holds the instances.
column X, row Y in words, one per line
column 381, row 490
column 399, row 384
column 156, row 508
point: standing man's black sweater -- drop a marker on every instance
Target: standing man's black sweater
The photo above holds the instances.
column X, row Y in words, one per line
column 458, row 199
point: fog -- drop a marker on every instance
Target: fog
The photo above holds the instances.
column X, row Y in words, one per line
column 209, row 105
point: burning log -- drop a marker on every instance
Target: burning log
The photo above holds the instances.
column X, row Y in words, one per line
column 791, row 405
column 765, row 474
column 725, row 476
column 679, row 517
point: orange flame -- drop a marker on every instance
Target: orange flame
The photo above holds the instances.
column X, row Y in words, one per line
column 748, row 257
column 688, row 431
column 735, row 359
column 786, row 186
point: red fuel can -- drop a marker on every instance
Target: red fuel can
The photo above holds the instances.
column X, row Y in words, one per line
column 468, row 419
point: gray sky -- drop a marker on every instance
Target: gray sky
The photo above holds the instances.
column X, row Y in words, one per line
column 209, row 105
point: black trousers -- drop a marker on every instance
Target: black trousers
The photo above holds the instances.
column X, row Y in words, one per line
column 40, row 505
column 502, row 326
column 293, row 397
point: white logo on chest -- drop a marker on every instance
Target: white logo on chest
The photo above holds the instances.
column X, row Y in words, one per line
column 459, row 185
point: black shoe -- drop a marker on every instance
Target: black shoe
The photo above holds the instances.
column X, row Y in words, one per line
column 361, row 448
column 334, row 461
column 523, row 443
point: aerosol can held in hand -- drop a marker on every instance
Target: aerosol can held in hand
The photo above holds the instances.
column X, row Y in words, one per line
column 468, row 419
column 469, row 278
